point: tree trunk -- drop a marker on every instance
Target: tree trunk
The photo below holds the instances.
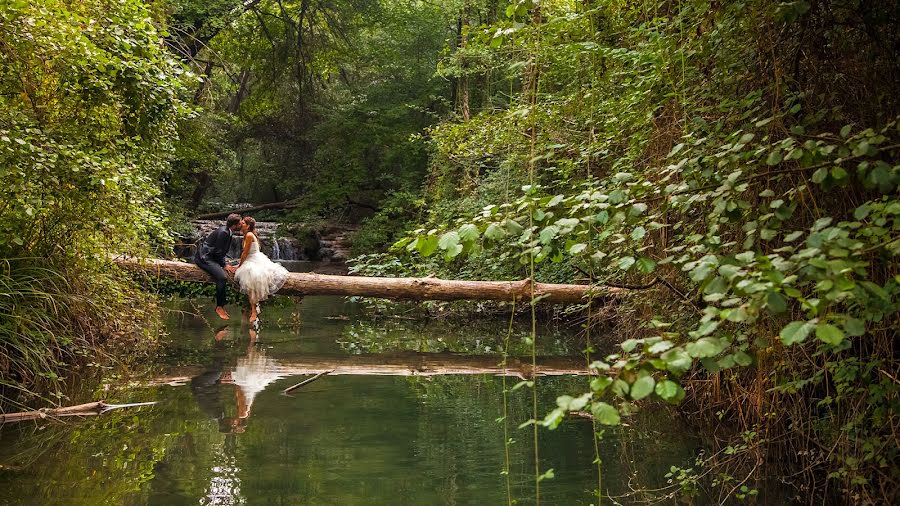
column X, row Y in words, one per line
column 222, row 214
column 390, row 288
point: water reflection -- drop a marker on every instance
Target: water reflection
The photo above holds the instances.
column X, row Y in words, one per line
column 224, row 434
column 252, row 373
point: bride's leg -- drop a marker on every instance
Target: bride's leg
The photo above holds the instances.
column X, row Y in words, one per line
column 253, row 314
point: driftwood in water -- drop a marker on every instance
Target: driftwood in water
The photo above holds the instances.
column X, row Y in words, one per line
column 304, row 382
column 87, row 409
column 405, row 364
column 224, row 214
column 390, row 288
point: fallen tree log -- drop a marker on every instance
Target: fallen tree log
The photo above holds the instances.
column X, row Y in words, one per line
column 87, row 409
column 389, row 288
column 224, row 214
column 403, row 364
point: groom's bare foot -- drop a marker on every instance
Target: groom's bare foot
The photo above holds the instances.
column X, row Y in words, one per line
column 222, row 313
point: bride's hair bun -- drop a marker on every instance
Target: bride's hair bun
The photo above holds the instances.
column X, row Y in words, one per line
column 251, row 223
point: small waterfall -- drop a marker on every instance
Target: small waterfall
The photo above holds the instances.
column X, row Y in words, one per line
column 276, row 251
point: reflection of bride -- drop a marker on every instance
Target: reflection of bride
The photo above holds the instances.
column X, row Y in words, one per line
column 252, row 374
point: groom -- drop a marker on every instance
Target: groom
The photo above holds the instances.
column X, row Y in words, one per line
column 211, row 258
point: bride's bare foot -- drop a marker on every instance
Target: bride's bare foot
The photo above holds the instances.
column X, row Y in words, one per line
column 222, row 313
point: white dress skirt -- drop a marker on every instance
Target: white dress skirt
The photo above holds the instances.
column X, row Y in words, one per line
column 258, row 276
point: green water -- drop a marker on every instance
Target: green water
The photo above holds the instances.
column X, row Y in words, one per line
column 223, row 432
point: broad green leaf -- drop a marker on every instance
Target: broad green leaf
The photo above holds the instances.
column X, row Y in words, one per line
column 494, row 232
column 605, row 414
column 577, row 248
column 704, row 347
column 677, row 361
column 427, row 245
column 548, row 233
column 795, row 332
column 776, row 302
column 626, row 262
column 468, row 233
column 449, row 240
column 830, row 334
column 601, row 383
column 855, row 327
column 646, row 265
column 670, row 391
column 743, row 359
column 642, row 387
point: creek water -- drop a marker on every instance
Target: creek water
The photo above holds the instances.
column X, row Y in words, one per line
column 222, row 431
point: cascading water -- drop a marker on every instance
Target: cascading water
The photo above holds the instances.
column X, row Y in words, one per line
column 276, row 250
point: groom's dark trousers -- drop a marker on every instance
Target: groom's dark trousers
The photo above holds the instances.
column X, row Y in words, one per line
column 211, row 258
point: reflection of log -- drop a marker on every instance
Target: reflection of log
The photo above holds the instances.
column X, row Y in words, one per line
column 88, row 409
column 224, row 214
column 406, row 364
column 390, row 288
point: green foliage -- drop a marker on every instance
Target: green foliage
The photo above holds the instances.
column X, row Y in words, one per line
column 88, row 107
column 660, row 146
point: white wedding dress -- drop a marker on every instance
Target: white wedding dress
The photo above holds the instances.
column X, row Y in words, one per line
column 258, row 276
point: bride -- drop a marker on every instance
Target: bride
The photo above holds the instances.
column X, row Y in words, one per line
column 256, row 275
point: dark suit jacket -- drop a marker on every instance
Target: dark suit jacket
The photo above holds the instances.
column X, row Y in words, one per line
column 215, row 246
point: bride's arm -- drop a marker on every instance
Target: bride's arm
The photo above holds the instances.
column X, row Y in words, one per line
column 248, row 240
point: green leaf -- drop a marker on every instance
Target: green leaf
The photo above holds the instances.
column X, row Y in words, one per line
column 795, row 332
column 829, row 334
column 646, row 265
column 638, row 233
column 577, row 248
column 704, row 347
column 626, row 262
column 548, row 233
column 427, row 245
column 453, row 251
column 468, row 233
column 855, row 327
column 704, row 267
column 670, row 391
column 776, row 302
column 677, row 361
column 605, row 414
column 820, row 175
column 743, row 359
column 774, row 158
column 642, row 387
column 494, row 232
column 449, row 240
column 845, row 131
column 600, row 383
column 513, row 227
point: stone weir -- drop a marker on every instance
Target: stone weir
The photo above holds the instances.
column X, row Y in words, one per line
column 277, row 246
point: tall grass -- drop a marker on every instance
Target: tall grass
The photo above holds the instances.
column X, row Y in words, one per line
column 54, row 318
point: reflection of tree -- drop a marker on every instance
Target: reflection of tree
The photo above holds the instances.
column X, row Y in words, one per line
column 433, row 336
column 101, row 460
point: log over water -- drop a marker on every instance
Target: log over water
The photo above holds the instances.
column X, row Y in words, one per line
column 390, row 288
